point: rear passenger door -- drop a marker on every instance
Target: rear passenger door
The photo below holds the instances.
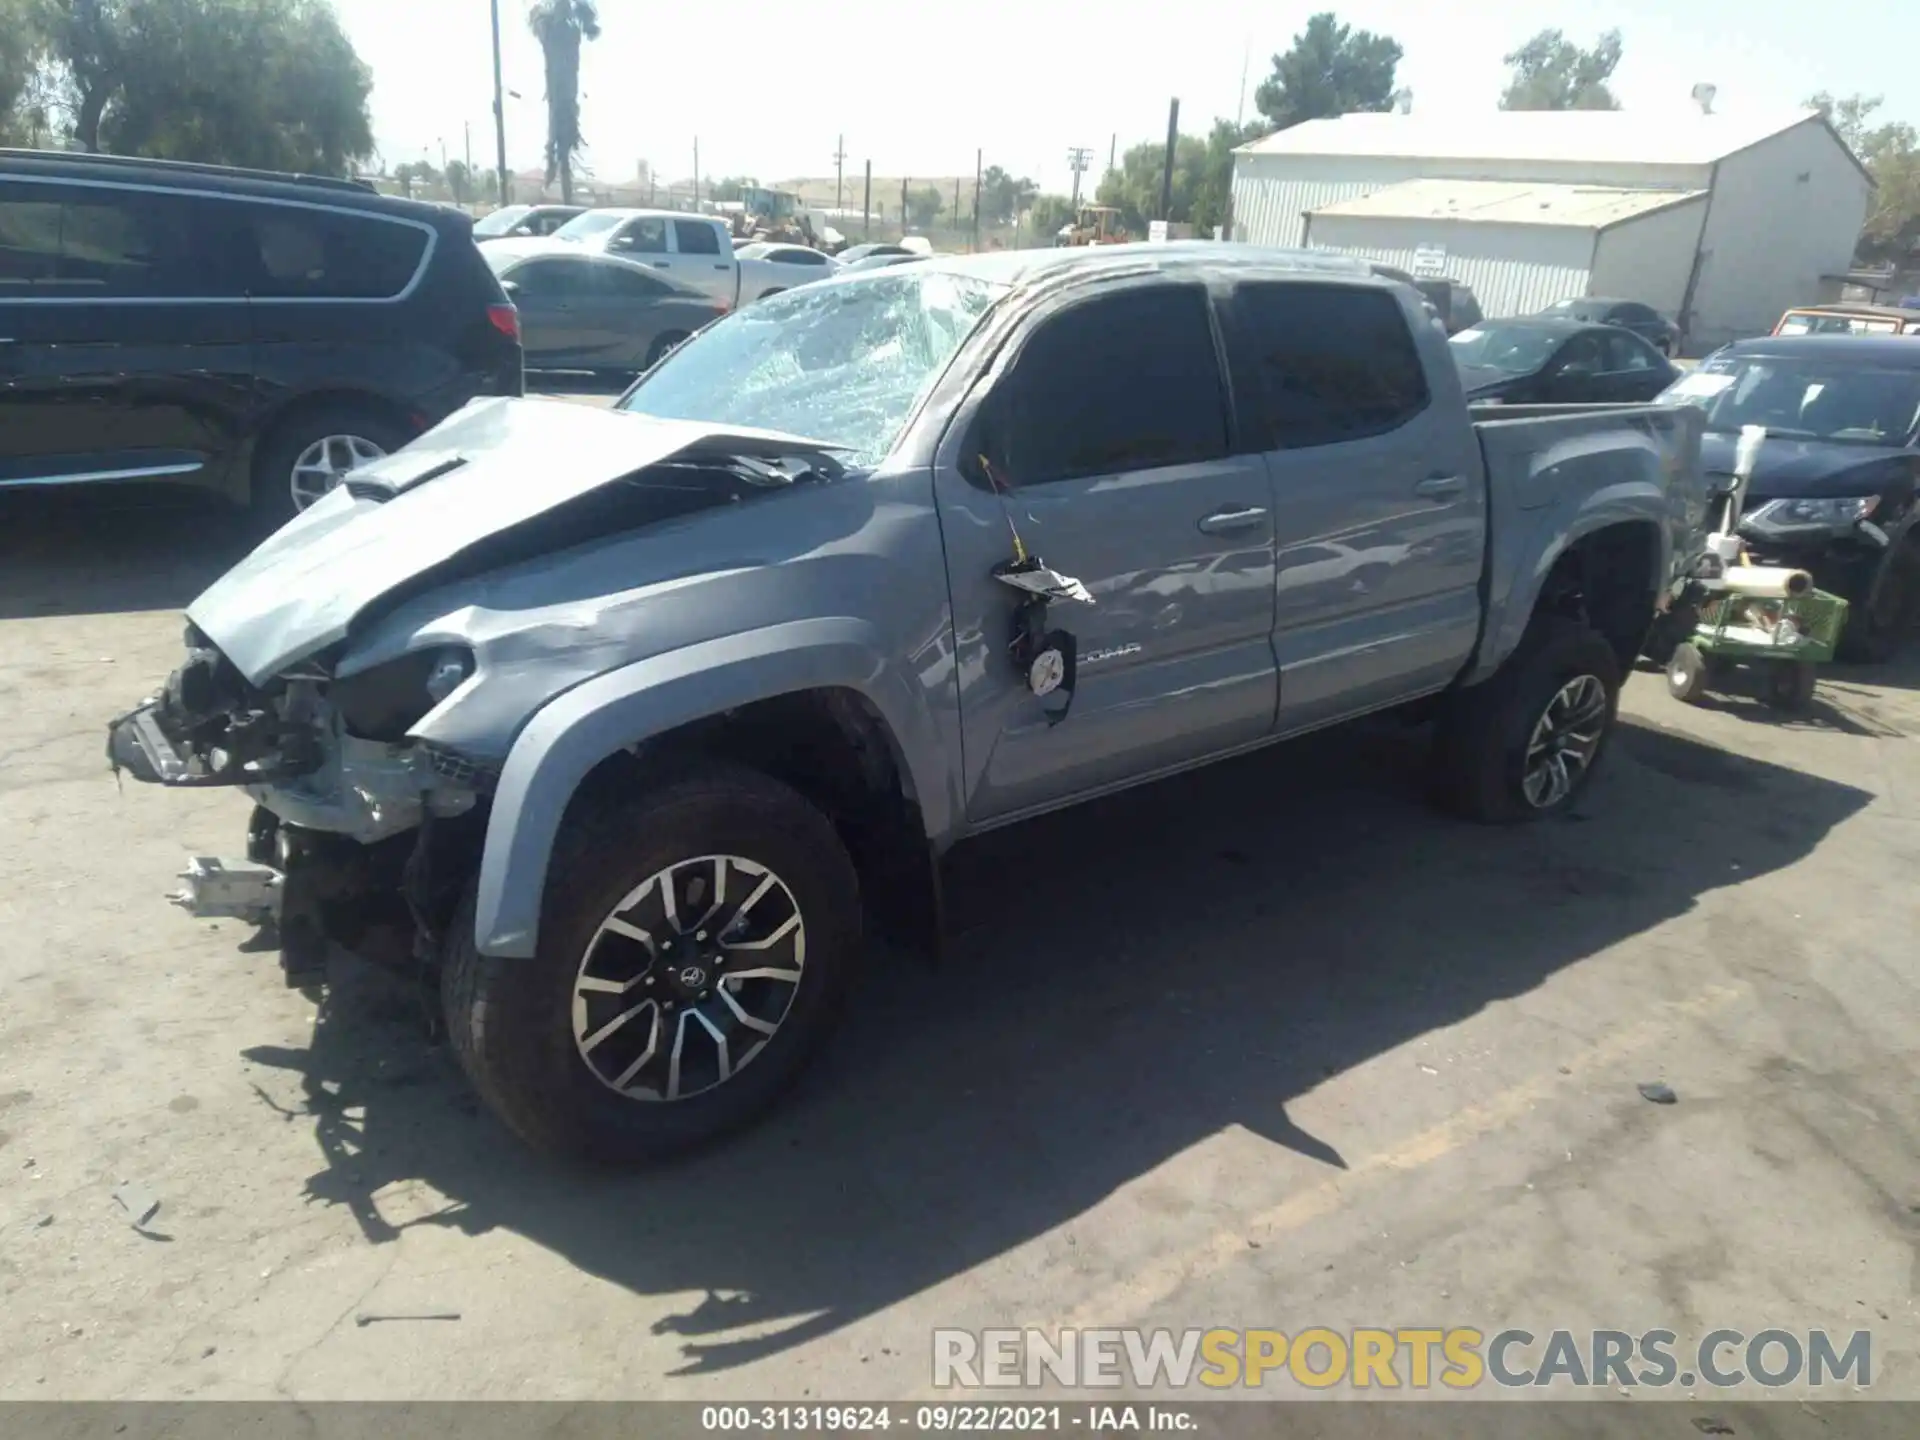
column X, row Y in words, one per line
column 1109, row 422
column 559, row 326
column 702, row 260
column 124, row 345
column 1634, row 370
column 1379, row 508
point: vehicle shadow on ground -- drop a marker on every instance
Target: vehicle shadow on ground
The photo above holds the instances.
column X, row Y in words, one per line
column 111, row 550
column 1127, row 979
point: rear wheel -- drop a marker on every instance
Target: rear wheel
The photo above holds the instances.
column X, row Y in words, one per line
column 1524, row 744
column 1878, row 622
column 307, row 456
column 694, row 951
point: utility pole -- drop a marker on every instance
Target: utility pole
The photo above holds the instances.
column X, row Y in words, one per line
column 839, row 164
column 1246, row 56
column 1166, row 172
column 469, row 129
column 976, row 198
column 956, row 200
column 1078, row 158
column 696, row 172
column 866, row 207
column 903, row 204
column 500, row 111
column 1113, row 152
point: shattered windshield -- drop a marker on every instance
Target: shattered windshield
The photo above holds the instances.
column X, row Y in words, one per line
column 1824, row 399
column 845, row 363
column 1516, row 349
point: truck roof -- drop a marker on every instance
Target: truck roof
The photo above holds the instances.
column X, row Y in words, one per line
column 1024, row 267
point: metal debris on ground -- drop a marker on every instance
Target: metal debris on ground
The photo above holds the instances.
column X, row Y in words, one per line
column 140, row 1203
column 363, row 1320
column 1658, row 1093
column 1712, row 1425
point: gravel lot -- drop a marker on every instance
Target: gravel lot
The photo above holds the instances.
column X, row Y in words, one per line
column 1267, row 1045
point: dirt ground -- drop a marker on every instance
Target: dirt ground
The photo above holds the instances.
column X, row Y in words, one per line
column 1269, row 1045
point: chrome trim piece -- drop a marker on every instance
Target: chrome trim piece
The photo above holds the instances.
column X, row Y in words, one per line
column 406, row 292
column 150, row 472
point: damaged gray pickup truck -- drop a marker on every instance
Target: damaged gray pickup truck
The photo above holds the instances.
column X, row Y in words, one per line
column 620, row 727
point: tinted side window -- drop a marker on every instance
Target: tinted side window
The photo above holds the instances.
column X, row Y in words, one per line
column 801, row 257
column 1581, row 355
column 78, row 241
column 298, row 253
column 1625, row 352
column 618, row 281
column 696, row 237
column 1321, row 364
column 1128, row 381
column 550, row 279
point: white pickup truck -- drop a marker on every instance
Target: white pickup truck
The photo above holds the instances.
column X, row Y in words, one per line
column 694, row 250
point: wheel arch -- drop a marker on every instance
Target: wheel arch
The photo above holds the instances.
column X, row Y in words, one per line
column 829, row 677
column 1607, row 569
column 296, row 409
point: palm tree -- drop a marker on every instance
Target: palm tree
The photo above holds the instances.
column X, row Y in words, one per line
column 560, row 26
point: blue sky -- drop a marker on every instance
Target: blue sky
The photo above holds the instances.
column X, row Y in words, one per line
column 916, row 88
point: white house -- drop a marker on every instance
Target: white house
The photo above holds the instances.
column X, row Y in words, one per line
column 1722, row 221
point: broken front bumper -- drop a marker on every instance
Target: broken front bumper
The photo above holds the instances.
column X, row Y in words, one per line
column 138, row 746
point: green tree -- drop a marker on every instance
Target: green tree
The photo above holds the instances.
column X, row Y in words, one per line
column 269, row 83
column 1332, row 69
column 1213, row 189
column 1003, row 198
column 1134, row 189
column 416, row 177
column 924, row 206
column 1891, row 153
column 460, row 183
column 562, row 26
column 1550, row 72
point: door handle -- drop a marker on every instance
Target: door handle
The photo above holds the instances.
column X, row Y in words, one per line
column 1440, row 487
column 1223, row 522
column 721, row 265
column 658, row 264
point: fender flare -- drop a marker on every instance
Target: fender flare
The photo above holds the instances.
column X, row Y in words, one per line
column 1636, row 505
column 582, row 727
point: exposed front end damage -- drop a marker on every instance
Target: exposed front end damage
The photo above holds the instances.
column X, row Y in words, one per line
column 362, row 676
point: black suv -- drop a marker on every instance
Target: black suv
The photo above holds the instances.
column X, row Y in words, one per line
column 250, row 333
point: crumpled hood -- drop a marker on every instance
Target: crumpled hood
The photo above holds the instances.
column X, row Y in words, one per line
column 1795, row 469
column 489, row 467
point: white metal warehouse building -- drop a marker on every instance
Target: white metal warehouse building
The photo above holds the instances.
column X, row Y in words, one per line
column 1720, row 221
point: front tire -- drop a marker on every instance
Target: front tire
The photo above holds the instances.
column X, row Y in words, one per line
column 1524, row 744
column 695, row 949
column 1687, row 674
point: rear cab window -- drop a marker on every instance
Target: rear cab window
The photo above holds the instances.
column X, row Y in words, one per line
column 696, row 237
column 1319, row 364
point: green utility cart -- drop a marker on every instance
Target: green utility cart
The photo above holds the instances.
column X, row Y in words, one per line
column 1786, row 638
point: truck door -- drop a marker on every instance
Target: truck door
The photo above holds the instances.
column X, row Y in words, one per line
column 1108, row 420
column 1379, row 502
column 703, row 259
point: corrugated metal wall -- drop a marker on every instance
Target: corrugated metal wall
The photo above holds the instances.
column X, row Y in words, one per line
column 1513, row 269
column 1272, row 192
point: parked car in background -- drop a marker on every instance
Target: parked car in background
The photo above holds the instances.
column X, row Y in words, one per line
column 1538, row 359
column 691, row 250
column 255, row 334
column 881, row 262
column 626, row 724
column 1849, row 320
column 1834, row 489
column 1643, row 320
column 854, row 254
column 523, row 221
column 799, row 263
column 599, row 313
